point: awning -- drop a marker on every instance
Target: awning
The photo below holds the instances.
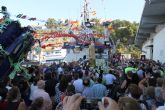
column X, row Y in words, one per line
column 153, row 15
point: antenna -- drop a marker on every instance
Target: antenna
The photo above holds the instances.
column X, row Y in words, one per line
column 86, row 11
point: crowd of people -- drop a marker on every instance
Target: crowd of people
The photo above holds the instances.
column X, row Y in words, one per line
column 130, row 84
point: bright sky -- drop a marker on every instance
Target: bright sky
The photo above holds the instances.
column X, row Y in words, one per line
column 130, row 10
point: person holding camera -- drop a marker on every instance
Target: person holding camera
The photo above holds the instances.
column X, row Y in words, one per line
column 73, row 103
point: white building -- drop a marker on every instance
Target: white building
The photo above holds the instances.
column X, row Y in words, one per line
column 151, row 33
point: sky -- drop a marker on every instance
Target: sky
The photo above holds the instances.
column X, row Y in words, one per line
column 130, row 10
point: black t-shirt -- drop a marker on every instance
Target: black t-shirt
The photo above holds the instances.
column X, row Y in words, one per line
column 50, row 86
column 13, row 105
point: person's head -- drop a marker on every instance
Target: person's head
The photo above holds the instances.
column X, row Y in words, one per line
column 6, row 80
column 86, row 82
column 150, row 92
column 48, row 76
column 99, row 80
column 41, row 84
column 37, row 104
column 13, row 94
column 80, row 74
column 128, row 103
column 152, row 81
column 158, row 94
column 159, row 82
column 134, row 91
column 63, row 83
column 75, row 76
column 70, row 90
column 129, row 75
column 35, row 80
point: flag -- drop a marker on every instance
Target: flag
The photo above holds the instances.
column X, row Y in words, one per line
column 23, row 17
column 19, row 15
column 32, row 19
column 94, row 13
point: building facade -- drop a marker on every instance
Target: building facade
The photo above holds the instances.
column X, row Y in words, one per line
column 151, row 32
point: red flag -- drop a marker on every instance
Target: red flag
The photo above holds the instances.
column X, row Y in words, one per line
column 32, row 19
column 24, row 16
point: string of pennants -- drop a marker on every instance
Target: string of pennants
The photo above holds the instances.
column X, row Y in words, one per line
column 47, row 36
column 22, row 16
column 80, row 42
column 75, row 44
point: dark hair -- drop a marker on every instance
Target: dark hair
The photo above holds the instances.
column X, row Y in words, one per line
column 63, row 83
column 35, row 80
column 99, row 80
column 130, row 74
column 48, row 76
column 13, row 94
column 135, row 91
column 150, row 92
column 159, row 82
column 70, row 90
column 6, row 80
column 86, row 82
column 152, row 82
column 128, row 103
column 75, row 76
column 37, row 104
column 80, row 74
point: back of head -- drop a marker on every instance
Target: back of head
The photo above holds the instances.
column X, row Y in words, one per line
column 158, row 94
column 99, row 80
column 41, row 84
column 86, row 82
column 63, row 83
column 13, row 94
column 80, row 74
column 159, row 82
column 127, row 103
column 152, row 81
column 150, row 92
column 70, row 90
column 37, row 104
column 135, row 91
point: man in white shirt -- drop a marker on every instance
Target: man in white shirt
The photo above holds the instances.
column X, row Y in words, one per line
column 163, row 91
column 40, row 92
column 109, row 79
column 78, row 84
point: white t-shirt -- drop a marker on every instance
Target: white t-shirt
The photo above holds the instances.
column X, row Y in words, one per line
column 60, row 70
column 78, row 84
column 41, row 93
column 109, row 78
column 32, row 89
column 161, row 108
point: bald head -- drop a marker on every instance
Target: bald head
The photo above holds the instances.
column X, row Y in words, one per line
column 41, row 84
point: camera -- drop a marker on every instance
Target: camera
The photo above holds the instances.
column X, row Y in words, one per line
column 90, row 104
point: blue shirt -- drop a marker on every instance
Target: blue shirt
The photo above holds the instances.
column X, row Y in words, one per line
column 87, row 92
column 99, row 91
